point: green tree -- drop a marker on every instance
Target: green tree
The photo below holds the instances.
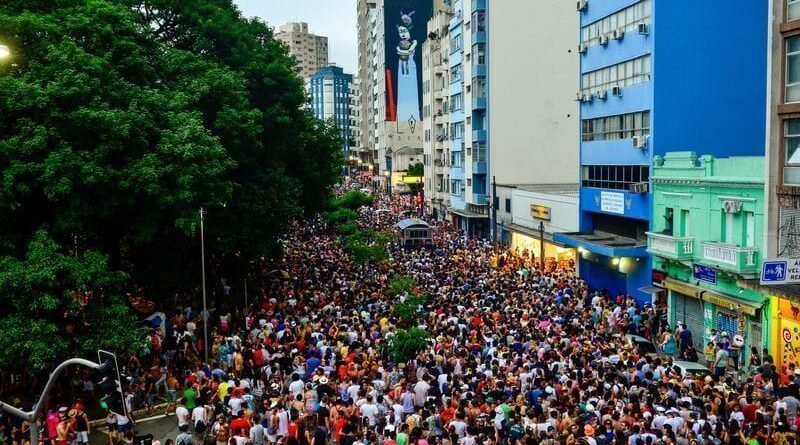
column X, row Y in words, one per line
column 61, row 304
column 417, row 169
column 404, row 345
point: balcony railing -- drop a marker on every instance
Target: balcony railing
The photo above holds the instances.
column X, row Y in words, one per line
column 740, row 260
column 668, row 246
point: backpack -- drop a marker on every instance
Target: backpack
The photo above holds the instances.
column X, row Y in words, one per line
column 200, row 427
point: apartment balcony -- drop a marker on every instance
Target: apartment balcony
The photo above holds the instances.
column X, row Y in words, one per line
column 479, row 167
column 742, row 261
column 479, row 70
column 478, row 5
column 668, row 246
column 478, row 37
column 478, row 135
column 440, row 94
column 479, row 103
column 439, row 68
column 479, row 199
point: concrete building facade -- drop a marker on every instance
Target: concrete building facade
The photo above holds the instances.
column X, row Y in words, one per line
column 310, row 51
column 436, row 117
column 469, row 163
column 532, row 129
column 634, row 55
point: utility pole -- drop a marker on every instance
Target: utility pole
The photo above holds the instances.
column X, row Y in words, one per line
column 541, row 243
column 203, row 273
column 495, row 202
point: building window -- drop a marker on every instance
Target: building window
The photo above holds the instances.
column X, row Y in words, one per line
column 793, row 69
column 456, row 102
column 508, row 205
column 621, row 126
column 456, row 74
column 625, row 74
column 792, row 9
column 617, row 177
column 456, row 43
column 627, row 20
column 791, row 144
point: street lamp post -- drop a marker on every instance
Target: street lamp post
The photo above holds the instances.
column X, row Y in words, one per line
column 203, row 274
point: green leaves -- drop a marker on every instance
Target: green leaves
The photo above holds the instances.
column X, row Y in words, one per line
column 61, row 304
column 404, row 345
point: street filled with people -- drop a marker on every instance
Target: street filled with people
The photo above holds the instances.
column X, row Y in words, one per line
column 516, row 355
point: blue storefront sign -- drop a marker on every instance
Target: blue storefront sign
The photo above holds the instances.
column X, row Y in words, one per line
column 705, row 273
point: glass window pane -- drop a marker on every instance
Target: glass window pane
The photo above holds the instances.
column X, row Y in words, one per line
column 793, row 11
column 793, row 69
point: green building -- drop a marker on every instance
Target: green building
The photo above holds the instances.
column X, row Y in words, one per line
column 707, row 222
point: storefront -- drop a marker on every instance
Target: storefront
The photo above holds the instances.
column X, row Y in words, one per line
column 527, row 244
column 703, row 309
column 536, row 213
column 786, row 332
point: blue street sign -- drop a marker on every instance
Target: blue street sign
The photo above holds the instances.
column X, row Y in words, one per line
column 705, row 273
column 778, row 271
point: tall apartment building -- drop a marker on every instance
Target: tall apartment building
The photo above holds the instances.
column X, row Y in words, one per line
column 330, row 100
column 310, row 51
column 355, row 124
column 533, row 127
column 783, row 156
column 436, row 116
column 391, row 34
column 708, row 91
column 469, row 184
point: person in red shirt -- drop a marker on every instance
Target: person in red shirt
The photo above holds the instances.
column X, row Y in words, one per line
column 447, row 414
column 240, row 426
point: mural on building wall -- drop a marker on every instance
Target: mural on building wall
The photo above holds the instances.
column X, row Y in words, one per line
column 405, row 22
column 788, row 337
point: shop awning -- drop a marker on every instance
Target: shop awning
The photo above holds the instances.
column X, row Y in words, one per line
column 602, row 243
column 650, row 290
column 468, row 214
column 786, row 291
column 727, row 301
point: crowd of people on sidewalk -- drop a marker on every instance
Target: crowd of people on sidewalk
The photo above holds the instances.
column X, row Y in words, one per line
column 514, row 358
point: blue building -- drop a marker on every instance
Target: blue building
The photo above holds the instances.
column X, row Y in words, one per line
column 330, row 100
column 657, row 76
column 469, row 206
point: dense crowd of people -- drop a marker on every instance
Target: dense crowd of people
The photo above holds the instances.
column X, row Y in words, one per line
column 517, row 355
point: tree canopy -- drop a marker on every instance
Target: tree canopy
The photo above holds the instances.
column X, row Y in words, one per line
column 120, row 119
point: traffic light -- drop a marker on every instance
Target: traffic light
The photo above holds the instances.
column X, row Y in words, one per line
column 109, row 384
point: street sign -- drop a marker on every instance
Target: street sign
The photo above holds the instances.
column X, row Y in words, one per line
column 705, row 273
column 780, row 271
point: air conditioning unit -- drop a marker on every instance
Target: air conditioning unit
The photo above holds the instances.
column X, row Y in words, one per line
column 644, row 29
column 616, row 91
column 733, row 206
column 587, row 98
column 604, row 40
column 619, row 34
column 583, row 5
column 639, row 187
column 582, row 48
column 640, row 142
column 603, row 95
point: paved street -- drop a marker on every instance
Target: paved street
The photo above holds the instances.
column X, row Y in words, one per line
column 161, row 427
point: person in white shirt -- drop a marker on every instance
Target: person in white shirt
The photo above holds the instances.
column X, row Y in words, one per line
column 182, row 414
column 199, row 416
column 297, row 386
column 235, row 403
column 370, row 411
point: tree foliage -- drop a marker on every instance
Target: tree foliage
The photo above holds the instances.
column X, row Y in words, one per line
column 404, row 345
column 417, row 169
column 61, row 304
column 120, row 119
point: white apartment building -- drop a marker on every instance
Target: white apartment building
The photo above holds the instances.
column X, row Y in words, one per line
column 310, row 51
column 436, row 118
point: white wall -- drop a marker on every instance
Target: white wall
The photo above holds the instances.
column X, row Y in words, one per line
column 533, row 77
column 563, row 211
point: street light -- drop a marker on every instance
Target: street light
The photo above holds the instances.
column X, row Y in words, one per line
column 203, row 273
